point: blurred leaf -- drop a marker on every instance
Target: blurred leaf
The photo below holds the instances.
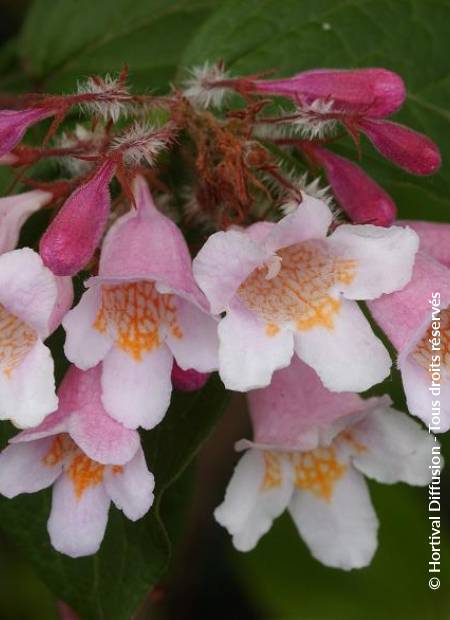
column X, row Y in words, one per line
column 65, row 41
column 133, row 556
column 287, row 582
column 407, row 36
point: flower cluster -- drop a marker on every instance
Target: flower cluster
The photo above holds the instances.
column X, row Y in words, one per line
column 272, row 300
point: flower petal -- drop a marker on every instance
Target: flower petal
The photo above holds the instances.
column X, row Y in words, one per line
column 131, row 489
column 248, row 511
column 248, row 353
column 27, row 394
column 384, row 258
column 348, row 357
column 198, row 345
column 223, row 263
column 14, row 211
column 22, row 469
column 341, row 532
column 85, row 345
column 311, row 220
column 27, row 288
column 77, row 525
column 137, row 393
column 397, row 448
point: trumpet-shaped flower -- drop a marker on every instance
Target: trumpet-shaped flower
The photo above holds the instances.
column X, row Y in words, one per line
column 142, row 310
column 89, row 458
column 311, row 452
column 287, row 286
column 32, row 303
column 14, row 211
column 417, row 322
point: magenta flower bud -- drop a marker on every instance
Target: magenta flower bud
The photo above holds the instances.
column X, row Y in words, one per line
column 188, row 380
column 363, row 200
column 72, row 237
column 14, row 123
column 371, row 92
column 407, row 148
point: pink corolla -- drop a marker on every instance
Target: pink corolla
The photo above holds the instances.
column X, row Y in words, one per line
column 14, row 124
column 289, row 287
column 311, row 452
column 73, row 236
column 141, row 311
column 417, row 322
column 362, row 199
column 89, row 458
column 373, row 92
column 14, row 211
column 32, row 303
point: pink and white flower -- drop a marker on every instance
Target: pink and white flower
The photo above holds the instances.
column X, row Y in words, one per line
column 142, row 310
column 32, row 303
column 311, row 452
column 287, row 286
column 417, row 322
column 14, row 211
column 89, row 458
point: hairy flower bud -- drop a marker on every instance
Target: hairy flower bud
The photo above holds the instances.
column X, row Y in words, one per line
column 407, row 148
column 188, row 380
column 72, row 237
column 14, row 123
column 371, row 92
column 363, row 200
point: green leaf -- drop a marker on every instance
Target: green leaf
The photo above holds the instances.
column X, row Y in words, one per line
column 65, row 41
column 407, row 36
column 133, row 556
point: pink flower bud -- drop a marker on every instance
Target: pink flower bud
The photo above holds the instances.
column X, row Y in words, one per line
column 363, row 200
column 72, row 237
column 188, row 380
column 407, row 148
column 371, row 92
column 14, row 123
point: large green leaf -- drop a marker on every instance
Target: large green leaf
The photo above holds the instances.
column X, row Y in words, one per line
column 133, row 556
column 407, row 36
column 64, row 41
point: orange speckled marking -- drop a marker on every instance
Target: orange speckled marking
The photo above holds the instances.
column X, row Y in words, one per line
column 81, row 470
column 272, row 472
column 300, row 292
column 16, row 340
column 84, row 473
column 357, row 446
column 424, row 351
column 134, row 312
column 317, row 471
